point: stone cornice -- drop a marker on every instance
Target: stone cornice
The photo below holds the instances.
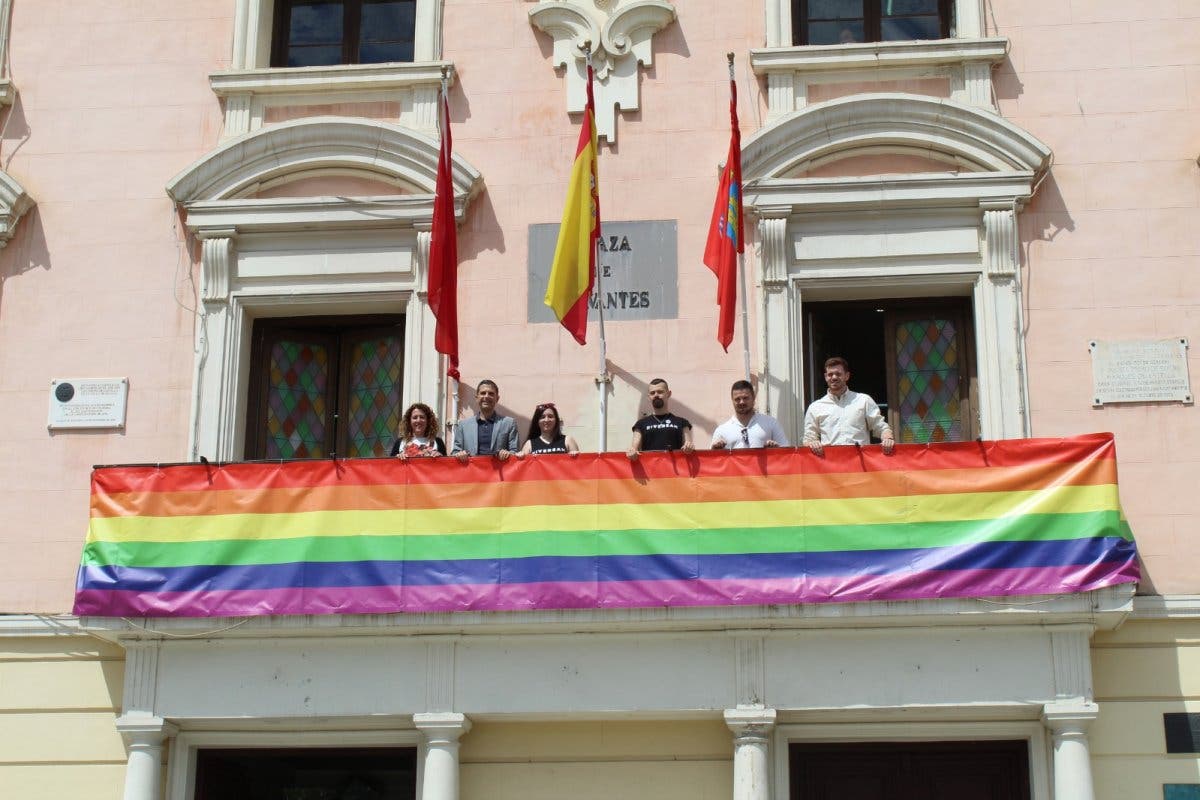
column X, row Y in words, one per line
column 1166, row 607
column 835, row 57
column 333, row 80
column 919, row 190
column 1102, row 609
column 327, row 213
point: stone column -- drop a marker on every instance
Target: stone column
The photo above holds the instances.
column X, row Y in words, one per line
column 1068, row 722
column 751, row 738
column 441, row 731
column 144, row 737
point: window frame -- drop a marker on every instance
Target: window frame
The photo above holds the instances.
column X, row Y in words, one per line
column 872, row 22
column 340, row 333
column 351, row 34
column 958, row 307
column 254, row 24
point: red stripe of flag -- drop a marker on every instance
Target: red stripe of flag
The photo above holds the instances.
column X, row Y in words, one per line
column 443, row 254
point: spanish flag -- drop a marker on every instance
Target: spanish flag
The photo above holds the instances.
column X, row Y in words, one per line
column 573, row 272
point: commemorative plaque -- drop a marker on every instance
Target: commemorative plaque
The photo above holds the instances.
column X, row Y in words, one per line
column 1140, row 371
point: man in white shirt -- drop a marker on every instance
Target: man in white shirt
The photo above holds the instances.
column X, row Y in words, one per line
column 747, row 428
column 843, row 416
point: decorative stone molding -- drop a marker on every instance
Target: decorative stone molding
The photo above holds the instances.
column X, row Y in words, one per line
column 620, row 34
column 307, row 255
column 248, row 93
column 319, row 145
column 439, row 676
column 826, row 239
column 772, row 237
column 1072, row 664
column 8, row 92
column 141, row 679
column 14, row 202
column 966, row 63
column 216, row 263
column 748, row 670
column 969, row 139
column 999, row 238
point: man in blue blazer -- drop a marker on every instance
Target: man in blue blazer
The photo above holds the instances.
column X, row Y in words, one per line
column 487, row 433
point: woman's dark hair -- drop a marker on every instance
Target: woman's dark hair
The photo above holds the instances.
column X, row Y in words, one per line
column 431, row 429
column 535, row 430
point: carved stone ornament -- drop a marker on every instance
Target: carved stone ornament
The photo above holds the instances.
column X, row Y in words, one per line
column 619, row 33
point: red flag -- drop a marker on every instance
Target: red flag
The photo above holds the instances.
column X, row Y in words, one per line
column 573, row 271
column 725, row 231
column 443, row 254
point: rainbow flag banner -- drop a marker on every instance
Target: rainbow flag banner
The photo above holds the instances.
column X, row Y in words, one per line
column 975, row 519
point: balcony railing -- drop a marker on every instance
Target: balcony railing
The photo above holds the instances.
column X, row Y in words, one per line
column 970, row 519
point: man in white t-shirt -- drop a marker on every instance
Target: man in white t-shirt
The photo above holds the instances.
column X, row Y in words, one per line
column 843, row 416
column 747, row 428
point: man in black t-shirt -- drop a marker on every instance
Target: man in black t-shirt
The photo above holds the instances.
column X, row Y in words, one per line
column 660, row 429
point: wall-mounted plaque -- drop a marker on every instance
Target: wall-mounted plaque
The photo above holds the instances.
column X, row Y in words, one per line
column 87, row 403
column 638, row 268
column 1140, row 371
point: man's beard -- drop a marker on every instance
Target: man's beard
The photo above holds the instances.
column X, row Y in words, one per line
column 658, row 403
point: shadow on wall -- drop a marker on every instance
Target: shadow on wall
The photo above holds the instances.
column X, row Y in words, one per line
column 482, row 227
column 26, row 251
column 1043, row 220
column 677, row 404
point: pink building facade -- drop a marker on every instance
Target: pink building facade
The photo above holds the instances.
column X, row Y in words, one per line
column 175, row 201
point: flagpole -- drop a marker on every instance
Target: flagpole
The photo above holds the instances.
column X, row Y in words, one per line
column 742, row 271
column 602, row 377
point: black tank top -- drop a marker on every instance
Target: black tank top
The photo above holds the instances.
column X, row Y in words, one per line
column 559, row 445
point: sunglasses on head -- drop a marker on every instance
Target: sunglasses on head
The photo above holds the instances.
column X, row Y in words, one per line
column 543, row 406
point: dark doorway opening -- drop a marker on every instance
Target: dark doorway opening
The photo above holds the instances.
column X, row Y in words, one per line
column 994, row 770
column 325, row 773
column 915, row 357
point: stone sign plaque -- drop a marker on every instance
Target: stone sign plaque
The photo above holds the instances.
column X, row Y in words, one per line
column 1140, row 371
column 638, row 270
column 87, row 403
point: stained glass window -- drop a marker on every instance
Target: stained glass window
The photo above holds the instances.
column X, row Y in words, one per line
column 298, row 384
column 928, row 383
column 324, row 387
column 374, row 395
